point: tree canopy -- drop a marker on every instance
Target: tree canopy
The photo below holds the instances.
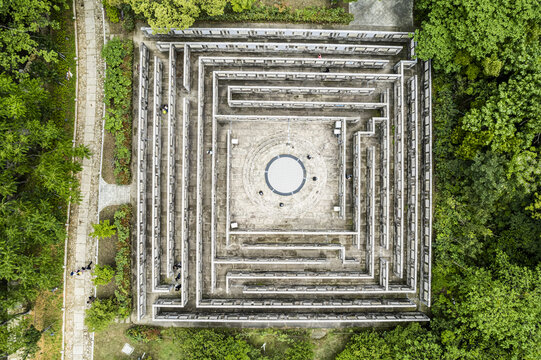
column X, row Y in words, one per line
column 486, row 280
column 37, row 171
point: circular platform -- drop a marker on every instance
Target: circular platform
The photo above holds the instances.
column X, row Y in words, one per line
column 285, row 174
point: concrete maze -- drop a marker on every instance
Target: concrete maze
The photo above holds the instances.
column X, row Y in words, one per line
column 289, row 176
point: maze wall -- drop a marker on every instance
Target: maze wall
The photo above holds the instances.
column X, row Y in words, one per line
column 217, row 243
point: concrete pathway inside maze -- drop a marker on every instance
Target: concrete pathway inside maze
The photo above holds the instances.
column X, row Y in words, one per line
column 382, row 14
column 112, row 194
column 81, row 247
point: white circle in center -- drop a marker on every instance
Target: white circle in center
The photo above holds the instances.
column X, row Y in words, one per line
column 285, row 175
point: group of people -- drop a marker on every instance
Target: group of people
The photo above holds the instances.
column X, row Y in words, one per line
column 178, row 266
column 164, row 109
column 80, row 271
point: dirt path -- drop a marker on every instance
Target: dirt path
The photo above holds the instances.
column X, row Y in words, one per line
column 81, row 248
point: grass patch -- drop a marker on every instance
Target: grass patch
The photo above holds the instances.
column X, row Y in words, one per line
column 331, row 344
column 169, row 343
column 48, row 313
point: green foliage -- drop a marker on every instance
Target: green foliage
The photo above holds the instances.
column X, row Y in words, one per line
column 501, row 30
column 492, row 66
column 259, row 12
column 535, row 207
column 38, row 174
column 22, row 22
column 112, row 12
column 101, row 314
column 300, row 350
column 487, row 121
column 164, row 15
column 144, row 334
column 103, row 274
column 497, row 309
column 241, row 5
column 128, row 23
column 202, row 344
column 103, row 230
column 123, row 261
column 118, row 55
column 409, row 343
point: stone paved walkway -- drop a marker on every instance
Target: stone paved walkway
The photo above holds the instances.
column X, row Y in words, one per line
column 81, row 248
column 383, row 14
column 111, row 194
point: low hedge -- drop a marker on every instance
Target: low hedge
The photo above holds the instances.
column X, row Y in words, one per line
column 123, row 296
column 144, row 334
column 118, row 89
column 264, row 13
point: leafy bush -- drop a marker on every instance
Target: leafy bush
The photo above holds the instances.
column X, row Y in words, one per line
column 101, row 314
column 300, row 350
column 144, row 334
column 103, row 230
column 103, row 274
column 118, row 55
column 128, row 23
column 123, row 261
column 113, row 13
column 241, row 5
column 203, row 344
column 313, row 14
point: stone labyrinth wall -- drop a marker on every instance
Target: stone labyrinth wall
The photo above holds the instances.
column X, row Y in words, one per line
column 290, row 176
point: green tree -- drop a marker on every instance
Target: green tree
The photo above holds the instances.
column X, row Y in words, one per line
column 366, row 345
column 22, row 21
column 101, row 314
column 103, row 230
column 499, row 30
column 103, row 274
column 202, row 344
column 166, row 14
column 496, row 309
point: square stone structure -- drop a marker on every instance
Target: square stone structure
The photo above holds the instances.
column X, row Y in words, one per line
column 288, row 172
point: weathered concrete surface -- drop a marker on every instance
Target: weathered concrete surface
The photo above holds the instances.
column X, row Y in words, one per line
column 111, row 194
column 384, row 14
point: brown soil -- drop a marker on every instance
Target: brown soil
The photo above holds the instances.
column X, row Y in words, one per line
column 108, row 160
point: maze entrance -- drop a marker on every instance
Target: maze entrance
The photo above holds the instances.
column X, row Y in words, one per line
column 289, row 181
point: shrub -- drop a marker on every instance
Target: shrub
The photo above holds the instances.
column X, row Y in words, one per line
column 144, row 334
column 103, row 230
column 118, row 55
column 101, row 314
column 113, row 14
column 123, row 261
column 199, row 344
column 241, row 5
column 103, row 275
column 312, row 14
column 300, row 350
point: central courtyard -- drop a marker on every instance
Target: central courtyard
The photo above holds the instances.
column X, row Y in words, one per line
column 284, row 178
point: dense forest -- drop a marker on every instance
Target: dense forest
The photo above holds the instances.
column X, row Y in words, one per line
column 37, row 173
column 487, row 228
